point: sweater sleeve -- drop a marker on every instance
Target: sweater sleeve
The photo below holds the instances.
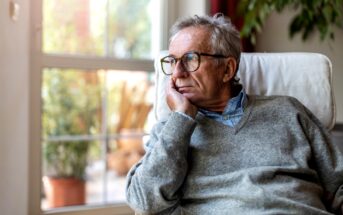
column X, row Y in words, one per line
column 153, row 184
column 328, row 160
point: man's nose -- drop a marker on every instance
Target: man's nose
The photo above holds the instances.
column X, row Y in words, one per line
column 179, row 71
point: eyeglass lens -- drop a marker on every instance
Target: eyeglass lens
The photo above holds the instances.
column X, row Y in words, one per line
column 190, row 62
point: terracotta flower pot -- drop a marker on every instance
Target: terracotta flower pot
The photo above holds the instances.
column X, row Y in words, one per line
column 64, row 191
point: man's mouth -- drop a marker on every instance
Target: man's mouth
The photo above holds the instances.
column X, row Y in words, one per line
column 183, row 89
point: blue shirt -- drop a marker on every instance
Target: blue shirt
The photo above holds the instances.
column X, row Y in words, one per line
column 233, row 111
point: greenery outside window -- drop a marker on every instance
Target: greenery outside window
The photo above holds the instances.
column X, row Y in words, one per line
column 96, row 95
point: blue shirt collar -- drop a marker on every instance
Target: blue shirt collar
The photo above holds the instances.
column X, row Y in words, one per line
column 233, row 110
column 233, row 105
column 236, row 103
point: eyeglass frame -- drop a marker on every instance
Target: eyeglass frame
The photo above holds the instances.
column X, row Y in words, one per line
column 199, row 54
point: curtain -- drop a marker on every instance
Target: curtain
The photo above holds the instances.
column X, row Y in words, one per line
column 228, row 8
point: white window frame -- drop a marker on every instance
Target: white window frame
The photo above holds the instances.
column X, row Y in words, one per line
column 39, row 61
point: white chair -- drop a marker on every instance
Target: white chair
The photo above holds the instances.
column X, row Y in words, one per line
column 305, row 76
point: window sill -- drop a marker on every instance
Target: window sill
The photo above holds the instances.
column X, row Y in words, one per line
column 119, row 209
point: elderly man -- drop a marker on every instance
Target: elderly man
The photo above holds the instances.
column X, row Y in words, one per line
column 224, row 152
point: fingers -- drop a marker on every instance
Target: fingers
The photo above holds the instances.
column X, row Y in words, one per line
column 174, row 98
column 178, row 102
column 171, row 88
column 172, row 84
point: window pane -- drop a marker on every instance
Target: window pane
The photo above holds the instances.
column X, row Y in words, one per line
column 118, row 28
column 130, row 100
column 73, row 171
column 71, row 102
column 93, row 129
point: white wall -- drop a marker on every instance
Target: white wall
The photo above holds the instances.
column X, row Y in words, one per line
column 181, row 8
column 191, row 7
column 14, row 110
column 275, row 39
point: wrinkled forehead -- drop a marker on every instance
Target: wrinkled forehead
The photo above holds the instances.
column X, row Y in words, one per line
column 190, row 39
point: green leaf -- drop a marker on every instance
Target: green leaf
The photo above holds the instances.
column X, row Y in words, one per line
column 311, row 16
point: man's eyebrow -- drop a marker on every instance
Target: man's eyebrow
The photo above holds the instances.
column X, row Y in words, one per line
column 187, row 52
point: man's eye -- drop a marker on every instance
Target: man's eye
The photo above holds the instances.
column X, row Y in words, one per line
column 170, row 60
column 173, row 61
column 190, row 57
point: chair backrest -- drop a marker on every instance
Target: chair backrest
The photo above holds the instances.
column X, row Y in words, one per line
column 305, row 76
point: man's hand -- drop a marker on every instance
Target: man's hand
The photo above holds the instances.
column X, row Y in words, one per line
column 177, row 102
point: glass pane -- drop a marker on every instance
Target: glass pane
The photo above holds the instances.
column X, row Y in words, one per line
column 118, row 28
column 73, row 171
column 71, row 102
column 93, row 129
column 130, row 97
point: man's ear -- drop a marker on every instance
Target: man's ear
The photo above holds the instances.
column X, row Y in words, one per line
column 230, row 70
column 226, row 77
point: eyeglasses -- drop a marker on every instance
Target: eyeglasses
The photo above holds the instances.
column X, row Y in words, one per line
column 190, row 61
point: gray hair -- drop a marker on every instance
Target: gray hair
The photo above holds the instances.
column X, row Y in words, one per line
column 225, row 39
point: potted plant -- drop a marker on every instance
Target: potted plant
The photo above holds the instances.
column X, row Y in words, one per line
column 70, row 107
column 65, row 184
column 310, row 16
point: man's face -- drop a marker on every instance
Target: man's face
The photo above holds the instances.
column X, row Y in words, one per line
column 204, row 87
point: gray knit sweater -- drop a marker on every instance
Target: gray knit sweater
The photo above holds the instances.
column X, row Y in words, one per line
column 277, row 160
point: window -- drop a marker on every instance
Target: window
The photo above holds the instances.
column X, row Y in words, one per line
column 96, row 90
column 121, row 29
